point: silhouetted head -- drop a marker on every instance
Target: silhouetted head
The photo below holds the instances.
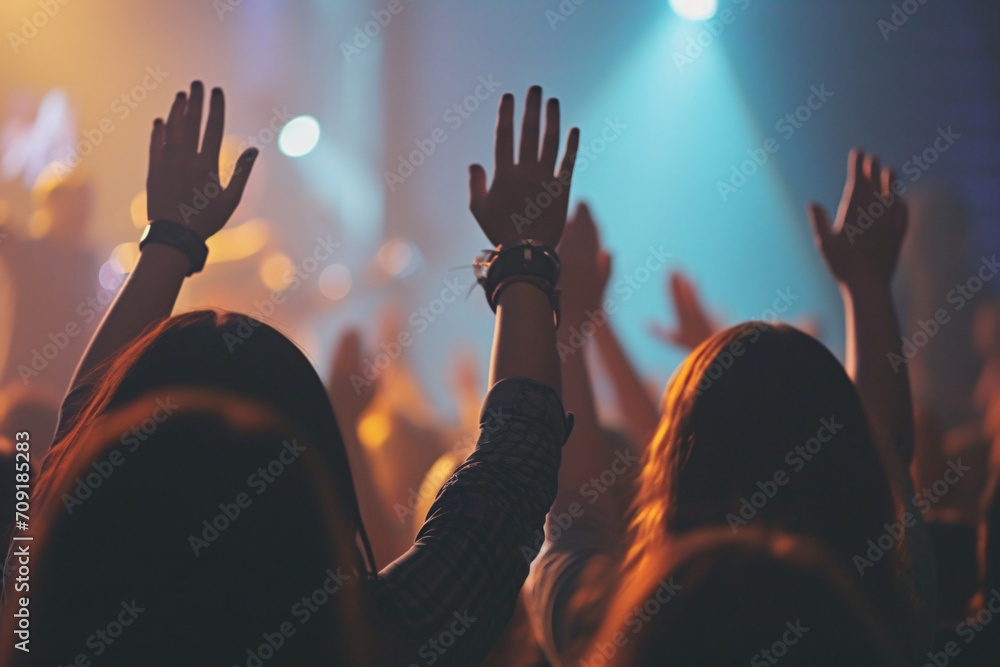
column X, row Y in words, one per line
column 216, row 536
column 228, row 352
column 762, row 427
column 714, row 598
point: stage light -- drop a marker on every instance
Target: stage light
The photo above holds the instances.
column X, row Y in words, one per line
column 299, row 136
column 695, row 10
column 335, row 282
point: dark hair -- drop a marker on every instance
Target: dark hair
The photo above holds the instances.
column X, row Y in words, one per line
column 230, row 352
column 714, row 598
column 733, row 415
column 178, row 545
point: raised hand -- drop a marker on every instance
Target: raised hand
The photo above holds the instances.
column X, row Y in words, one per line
column 694, row 325
column 349, row 390
column 178, row 171
column 585, row 267
column 862, row 245
column 527, row 200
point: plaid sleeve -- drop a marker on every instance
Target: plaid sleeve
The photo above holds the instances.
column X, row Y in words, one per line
column 453, row 592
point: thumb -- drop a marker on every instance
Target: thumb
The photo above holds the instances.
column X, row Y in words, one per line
column 822, row 227
column 234, row 190
column 477, row 186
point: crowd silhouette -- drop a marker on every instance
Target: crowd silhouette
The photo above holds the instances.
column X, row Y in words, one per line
column 201, row 496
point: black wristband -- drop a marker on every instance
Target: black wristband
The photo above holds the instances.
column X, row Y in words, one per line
column 177, row 236
column 525, row 260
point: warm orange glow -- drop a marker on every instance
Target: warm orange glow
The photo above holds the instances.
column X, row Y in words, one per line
column 127, row 254
column 273, row 270
column 137, row 209
column 374, row 429
column 240, row 242
column 40, row 224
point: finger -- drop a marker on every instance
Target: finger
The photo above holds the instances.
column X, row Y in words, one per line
column 677, row 284
column 175, row 122
column 855, row 165
column 664, row 333
column 529, row 126
column 234, row 191
column 192, row 117
column 822, row 228
column 504, row 148
column 873, row 170
column 156, row 138
column 569, row 160
column 477, row 187
column 603, row 262
column 550, row 144
column 211, row 145
column 888, row 178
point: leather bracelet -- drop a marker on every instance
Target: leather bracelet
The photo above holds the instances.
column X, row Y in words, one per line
column 544, row 286
column 520, row 261
column 178, row 236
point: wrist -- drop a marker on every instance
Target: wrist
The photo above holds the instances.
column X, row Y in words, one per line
column 179, row 237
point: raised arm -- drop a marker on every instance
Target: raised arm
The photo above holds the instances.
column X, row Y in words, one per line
column 524, row 343
column 585, row 271
column 466, row 568
column 861, row 248
column 176, row 169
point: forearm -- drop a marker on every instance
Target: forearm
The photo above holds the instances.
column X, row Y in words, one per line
column 872, row 336
column 636, row 406
column 584, row 454
column 147, row 296
column 524, row 340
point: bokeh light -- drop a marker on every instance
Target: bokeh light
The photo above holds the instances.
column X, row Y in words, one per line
column 335, row 282
column 695, row 10
column 299, row 136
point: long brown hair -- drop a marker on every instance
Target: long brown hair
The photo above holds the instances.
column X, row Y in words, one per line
column 733, row 448
column 227, row 351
